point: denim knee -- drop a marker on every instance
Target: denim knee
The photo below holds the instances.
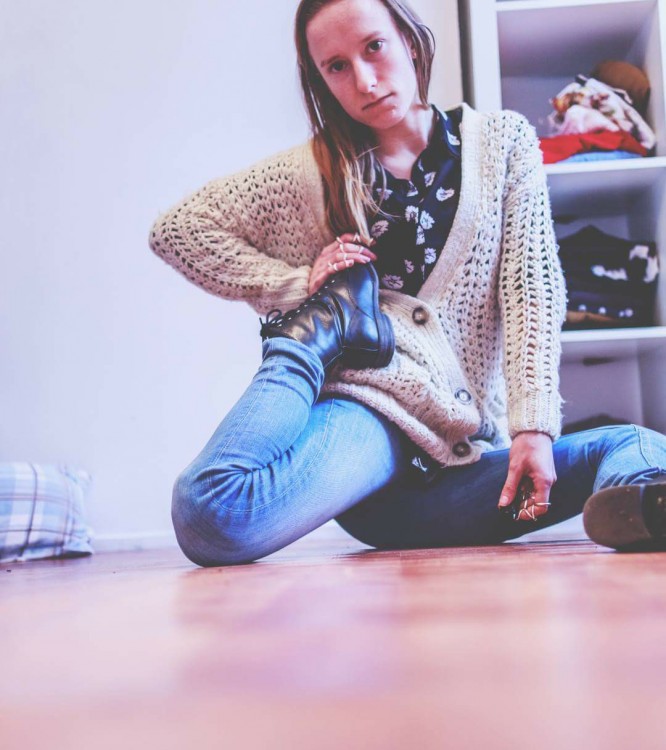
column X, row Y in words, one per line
column 623, row 435
column 209, row 534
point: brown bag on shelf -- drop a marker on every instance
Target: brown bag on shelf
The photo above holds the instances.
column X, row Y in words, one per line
column 623, row 75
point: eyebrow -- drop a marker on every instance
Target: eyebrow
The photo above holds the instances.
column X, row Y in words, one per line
column 366, row 39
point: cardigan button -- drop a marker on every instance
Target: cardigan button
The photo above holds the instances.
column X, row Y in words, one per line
column 465, row 397
column 419, row 316
column 462, row 449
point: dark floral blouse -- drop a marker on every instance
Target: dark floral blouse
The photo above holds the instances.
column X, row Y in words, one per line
column 422, row 209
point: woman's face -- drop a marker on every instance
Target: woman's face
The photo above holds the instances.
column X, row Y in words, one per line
column 364, row 60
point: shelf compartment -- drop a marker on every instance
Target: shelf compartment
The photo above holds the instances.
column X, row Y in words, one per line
column 611, row 344
column 518, row 54
column 608, row 188
column 609, row 387
column 535, row 65
column 624, row 202
column 579, row 36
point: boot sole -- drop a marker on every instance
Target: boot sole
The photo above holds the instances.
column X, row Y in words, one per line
column 615, row 517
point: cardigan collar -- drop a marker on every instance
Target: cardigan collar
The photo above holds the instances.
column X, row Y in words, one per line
column 464, row 223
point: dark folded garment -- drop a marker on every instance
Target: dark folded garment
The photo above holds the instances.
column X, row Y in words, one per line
column 610, row 281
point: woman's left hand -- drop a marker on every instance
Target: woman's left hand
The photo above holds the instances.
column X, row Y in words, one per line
column 531, row 455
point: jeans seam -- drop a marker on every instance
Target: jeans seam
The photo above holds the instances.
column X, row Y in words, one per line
column 646, row 448
column 219, row 504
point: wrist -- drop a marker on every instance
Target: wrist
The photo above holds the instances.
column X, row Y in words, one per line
column 533, row 433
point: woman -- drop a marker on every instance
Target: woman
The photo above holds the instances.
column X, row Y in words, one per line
column 406, row 416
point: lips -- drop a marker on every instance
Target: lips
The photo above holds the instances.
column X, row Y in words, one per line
column 377, row 101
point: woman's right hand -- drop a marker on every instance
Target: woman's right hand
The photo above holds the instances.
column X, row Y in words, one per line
column 346, row 250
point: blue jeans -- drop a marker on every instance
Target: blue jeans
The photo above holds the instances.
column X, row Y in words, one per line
column 284, row 461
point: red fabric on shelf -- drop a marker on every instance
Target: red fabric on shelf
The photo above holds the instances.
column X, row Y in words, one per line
column 561, row 147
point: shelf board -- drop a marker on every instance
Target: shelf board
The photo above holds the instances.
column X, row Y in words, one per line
column 604, row 188
column 611, row 343
column 625, row 166
column 507, row 6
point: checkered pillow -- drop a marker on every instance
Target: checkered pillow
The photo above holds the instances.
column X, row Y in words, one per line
column 41, row 512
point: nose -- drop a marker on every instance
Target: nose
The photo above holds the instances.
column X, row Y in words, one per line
column 366, row 78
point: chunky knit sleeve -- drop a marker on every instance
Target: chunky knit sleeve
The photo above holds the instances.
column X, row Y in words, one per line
column 249, row 236
column 532, row 294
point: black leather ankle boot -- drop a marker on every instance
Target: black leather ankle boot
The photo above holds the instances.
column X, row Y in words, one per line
column 342, row 318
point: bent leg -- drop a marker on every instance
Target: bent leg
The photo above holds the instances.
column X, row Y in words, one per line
column 281, row 463
column 459, row 507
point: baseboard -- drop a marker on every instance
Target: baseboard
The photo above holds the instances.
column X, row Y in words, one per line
column 571, row 530
column 133, row 542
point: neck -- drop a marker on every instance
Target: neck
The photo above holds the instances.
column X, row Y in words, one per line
column 411, row 135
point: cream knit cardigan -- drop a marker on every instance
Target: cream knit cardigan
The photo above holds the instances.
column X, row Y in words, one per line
column 487, row 320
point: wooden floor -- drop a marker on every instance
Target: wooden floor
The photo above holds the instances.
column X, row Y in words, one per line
column 329, row 644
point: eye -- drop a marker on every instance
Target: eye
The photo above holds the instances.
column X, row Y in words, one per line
column 376, row 45
column 337, row 67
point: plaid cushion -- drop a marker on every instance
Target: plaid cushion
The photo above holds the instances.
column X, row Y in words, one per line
column 41, row 512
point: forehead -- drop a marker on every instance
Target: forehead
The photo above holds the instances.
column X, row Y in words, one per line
column 346, row 22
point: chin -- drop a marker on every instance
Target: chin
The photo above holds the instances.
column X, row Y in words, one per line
column 389, row 117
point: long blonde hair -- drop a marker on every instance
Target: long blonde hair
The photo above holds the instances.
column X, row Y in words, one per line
column 344, row 148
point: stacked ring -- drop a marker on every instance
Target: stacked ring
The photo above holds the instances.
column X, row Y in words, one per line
column 529, row 513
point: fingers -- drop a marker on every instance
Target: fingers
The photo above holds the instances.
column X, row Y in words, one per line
column 534, row 502
column 531, row 474
column 539, row 502
column 357, row 239
column 346, row 246
column 345, row 258
column 346, row 250
column 324, row 268
column 510, row 488
column 528, row 499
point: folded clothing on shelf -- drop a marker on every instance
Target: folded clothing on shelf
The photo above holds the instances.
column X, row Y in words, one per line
column 588, row 104
column 592, row 116
column 561, row 147
column 602, row 156
column 610, row 281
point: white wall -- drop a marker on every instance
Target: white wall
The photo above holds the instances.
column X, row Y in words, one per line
column 113, row 111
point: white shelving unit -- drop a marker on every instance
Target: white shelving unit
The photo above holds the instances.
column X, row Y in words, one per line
column 517, row 54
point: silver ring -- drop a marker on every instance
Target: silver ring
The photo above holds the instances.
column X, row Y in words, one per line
column 331, row 266
column 344, row 257
column 357, row 238
column 341, row 244
column 529, row 513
